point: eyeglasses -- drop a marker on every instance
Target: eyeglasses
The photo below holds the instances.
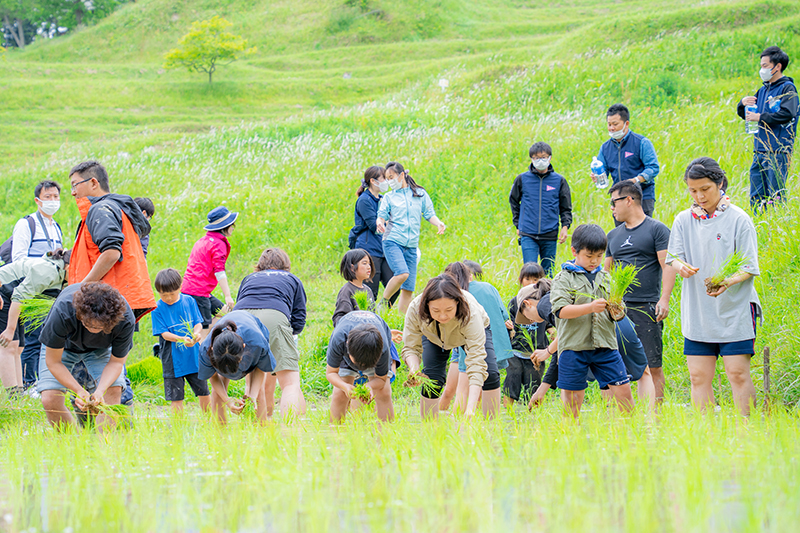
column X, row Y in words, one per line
column 614, row 201
column 74, row 185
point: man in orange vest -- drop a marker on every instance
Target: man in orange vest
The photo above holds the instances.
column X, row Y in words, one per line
column 108, row 244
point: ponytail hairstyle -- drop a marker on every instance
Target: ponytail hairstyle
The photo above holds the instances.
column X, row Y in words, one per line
column 226, row 348
column 706, row 167
column 475, row 268
column 398, row 169
column 444, row 286
column 460, row 273
column 373, row 173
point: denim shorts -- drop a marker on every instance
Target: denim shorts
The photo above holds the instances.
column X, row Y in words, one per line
column 95, row 362
column 605, row 364
column 402, row 260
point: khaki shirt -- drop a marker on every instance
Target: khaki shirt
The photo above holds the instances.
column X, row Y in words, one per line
column 453, row 334
column 587, row 332
column 39, row 273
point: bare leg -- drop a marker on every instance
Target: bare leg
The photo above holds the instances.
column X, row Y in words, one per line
column 205, row 402
column 18, row 364
column 269, row 391
column 57, row 413
column 450, row 387
column 646, row 390
column 394, row 285
column 462, row 393
column 382, row 392
column 177, row 406
column 9, row 361
column 659, row 382
column 429, row 408
column 292, row 399
column 737, row 368
column 405, row 300
column 203, row 334
column 340, row 401
column 623, row 397
column 701, row 372
column 573, row 400
column 111, row 397
column 490, row 401
column 217, row 406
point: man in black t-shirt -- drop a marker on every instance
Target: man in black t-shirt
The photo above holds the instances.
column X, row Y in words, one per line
column 642, row 241
column 89, row 323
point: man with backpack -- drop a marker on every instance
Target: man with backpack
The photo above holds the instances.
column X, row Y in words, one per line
column 34, row 235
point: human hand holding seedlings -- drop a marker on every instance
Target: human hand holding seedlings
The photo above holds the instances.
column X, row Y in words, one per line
column 727, row 283
column 538, row 396
column 236, row 405
column 380, row 225
column 599, row 305
column 540, row 356
column 509, row 325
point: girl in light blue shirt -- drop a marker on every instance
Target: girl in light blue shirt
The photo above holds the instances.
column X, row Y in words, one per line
column 399, row 218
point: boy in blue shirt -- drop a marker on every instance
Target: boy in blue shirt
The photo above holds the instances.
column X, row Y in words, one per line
column 178, row 347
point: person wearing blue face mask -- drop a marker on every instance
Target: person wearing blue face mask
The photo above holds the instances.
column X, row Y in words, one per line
column 629, row 156
column 364, row 232
column 540, row 199
column 776, row 106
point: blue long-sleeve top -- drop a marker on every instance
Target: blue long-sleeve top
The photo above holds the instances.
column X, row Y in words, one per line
column 402, row 212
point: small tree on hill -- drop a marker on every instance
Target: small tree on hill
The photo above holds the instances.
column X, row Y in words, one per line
column 206, row 46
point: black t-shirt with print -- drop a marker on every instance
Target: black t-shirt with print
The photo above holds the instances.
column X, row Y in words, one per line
column 639, row 247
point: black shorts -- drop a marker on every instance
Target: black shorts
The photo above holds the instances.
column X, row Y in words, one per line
column 435, row 362
column 643, row 316
column 209, row 307
column 522, row 379
column 173, row 387
column 19, row 332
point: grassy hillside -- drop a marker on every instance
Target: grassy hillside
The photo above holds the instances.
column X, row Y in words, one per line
column 284, row 136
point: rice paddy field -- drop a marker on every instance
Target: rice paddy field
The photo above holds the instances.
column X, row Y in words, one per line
column 283, row 137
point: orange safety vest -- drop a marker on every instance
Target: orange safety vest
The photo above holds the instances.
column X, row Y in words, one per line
column 129, row 276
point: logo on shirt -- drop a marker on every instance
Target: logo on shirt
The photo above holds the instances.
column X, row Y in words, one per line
column 628, row 154
column 550, row 188
column 627, row 242
column 719, row 236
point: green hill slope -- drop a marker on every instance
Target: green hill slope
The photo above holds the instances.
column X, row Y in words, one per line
column 284, row 136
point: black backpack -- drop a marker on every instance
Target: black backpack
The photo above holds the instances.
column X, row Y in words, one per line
column 5, row 248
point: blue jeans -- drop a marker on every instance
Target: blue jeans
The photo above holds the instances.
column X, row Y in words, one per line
column 768, row 178
column 533, row 249
column 402, row 260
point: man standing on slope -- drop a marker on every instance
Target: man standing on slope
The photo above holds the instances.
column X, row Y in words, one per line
column 629, row 156
column 776, row 114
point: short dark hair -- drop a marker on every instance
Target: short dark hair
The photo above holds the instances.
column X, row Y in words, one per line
column 45, row 184
column 539, row 147
column 589, row 237
column 168, row 280
column 706, row 167
column 776, row 56
column 99, row 303
column 365, row 345
column 460, row 273
column 531, row 269
column 92, row 169
column 146, row 205
column 474, row 267
column 225, row 348
column 443, row 286
column 621, row 110
column 628, row 188
column 350, row 261
column 273, row 259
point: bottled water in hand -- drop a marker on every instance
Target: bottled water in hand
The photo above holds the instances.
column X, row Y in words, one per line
column 750, row 126
column 599, row 171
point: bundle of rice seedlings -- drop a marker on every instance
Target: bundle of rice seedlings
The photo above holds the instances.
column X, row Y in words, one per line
column 361, row 393
column 249, row 412
column 732, row 266
column 34, row 311
column 187, row 324
column 531, row 344
column 362, row 301
column 427, row 384
column 621, row 279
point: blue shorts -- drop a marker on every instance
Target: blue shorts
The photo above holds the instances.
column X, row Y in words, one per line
column 402, row 260
column 605, row 364
column 715, row 349
column 95, row 362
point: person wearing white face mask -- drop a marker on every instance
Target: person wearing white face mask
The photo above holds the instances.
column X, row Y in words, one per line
column 629, row 156
column 364, row 233
column 776, row 105
column 540, row 199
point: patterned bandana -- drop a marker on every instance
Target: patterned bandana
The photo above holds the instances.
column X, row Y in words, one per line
column 700, row 214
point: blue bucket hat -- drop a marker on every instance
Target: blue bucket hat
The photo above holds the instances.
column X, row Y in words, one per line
column 220, row 218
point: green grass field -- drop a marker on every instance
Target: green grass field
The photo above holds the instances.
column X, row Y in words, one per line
column 284, row 137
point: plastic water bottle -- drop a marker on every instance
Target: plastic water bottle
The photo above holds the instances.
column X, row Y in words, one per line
column 750, row 126
column 600, row 172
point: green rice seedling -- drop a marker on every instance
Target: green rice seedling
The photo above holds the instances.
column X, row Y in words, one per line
column 531, row 344
column 362, row 301
column 421, row 380
column 362, row 393
column 189, row 330
column 732, row 266
column 249, row 412
column 681, row 262
column 148, row 370
column 621, row 278
column 34, row 311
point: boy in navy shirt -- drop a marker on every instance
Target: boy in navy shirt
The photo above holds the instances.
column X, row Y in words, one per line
column 539, row 199
column 177, row 344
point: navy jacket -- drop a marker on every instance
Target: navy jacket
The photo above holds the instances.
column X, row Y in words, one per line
column 274, row 289
column 777, row 103
column 633, row 156
column 364, row 229
column 538, row 201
